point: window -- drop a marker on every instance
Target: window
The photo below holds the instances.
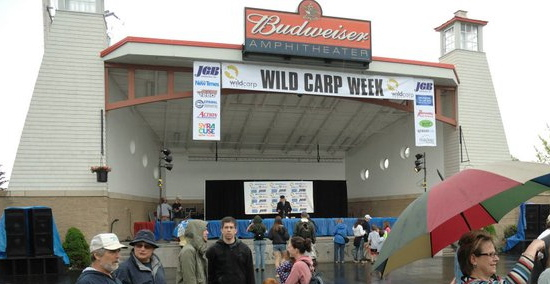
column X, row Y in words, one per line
column 364, row 174
column 468, row 34
column 449, row 39
column 90, row 6
column 384, row 164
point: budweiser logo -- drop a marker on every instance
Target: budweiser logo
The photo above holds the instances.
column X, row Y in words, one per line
column 267, row 25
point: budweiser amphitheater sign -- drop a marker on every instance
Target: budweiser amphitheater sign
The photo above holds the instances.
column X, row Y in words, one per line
column 307, row 33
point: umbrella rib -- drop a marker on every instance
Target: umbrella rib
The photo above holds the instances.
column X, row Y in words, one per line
column 466, row 221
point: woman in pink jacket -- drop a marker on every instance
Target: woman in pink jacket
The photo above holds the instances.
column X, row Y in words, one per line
column 303, row 265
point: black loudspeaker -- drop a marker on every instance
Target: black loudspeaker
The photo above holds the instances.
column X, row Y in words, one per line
column 17, row 233
column 41, row 231
column 535, row 218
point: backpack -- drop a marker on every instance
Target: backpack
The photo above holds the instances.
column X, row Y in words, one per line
column 305, row 230
column 315, row 277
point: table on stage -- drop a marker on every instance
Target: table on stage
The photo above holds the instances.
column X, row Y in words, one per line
column 163, row 230
column 325, row 226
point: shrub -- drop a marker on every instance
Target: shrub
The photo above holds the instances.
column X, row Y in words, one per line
column 510, row 231
column 491, row 230
column 77, row 249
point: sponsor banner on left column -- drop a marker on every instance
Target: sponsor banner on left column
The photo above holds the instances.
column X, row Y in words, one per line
column 424, row 114
column 206, row 101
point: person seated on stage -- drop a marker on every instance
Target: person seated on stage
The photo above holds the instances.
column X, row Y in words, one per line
column 105, row 253
column 143, row 265
column 163, row 210
column 283, row 207
column 478, row 259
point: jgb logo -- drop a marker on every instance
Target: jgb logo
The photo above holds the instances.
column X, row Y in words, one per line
column 208, row 71
column 423, row 86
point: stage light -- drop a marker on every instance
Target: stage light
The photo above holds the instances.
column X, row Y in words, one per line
column 419, row 163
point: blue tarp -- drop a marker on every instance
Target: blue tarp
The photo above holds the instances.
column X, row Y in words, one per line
column 520, row 235
column 57, row 246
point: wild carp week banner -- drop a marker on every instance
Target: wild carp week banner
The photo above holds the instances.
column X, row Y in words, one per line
column 261, row 197
column 206, row 101
column 339, row 84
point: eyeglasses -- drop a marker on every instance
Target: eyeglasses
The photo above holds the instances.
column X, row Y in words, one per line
column 143, row 245
column 489, row 254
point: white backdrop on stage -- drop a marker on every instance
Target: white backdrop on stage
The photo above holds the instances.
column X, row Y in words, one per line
column 261, row 197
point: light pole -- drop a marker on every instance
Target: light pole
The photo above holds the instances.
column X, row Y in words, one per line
column 164, row 162
column 420, row 164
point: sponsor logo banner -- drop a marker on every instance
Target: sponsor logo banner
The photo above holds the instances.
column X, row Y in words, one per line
column 424, row 114
column 261, row 197
column 307, row 33
column 316, row 82
column 206, row 101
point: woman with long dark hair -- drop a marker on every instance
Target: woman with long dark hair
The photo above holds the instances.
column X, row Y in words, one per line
column 278, row 235
column 302, row 269
column 258, row 228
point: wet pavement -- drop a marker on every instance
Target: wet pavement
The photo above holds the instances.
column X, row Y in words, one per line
column 432, row 270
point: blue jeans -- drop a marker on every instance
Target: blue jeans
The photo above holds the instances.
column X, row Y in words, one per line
column 259, row 250
column 358, row 252
column 339, row 252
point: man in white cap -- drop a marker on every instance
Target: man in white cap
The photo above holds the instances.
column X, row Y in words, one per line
column 105, row 254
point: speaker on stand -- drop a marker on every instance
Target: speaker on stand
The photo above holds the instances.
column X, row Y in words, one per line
column 17, row 233
column 41, row 231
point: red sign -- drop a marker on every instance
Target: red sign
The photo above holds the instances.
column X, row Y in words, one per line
column 307, row 33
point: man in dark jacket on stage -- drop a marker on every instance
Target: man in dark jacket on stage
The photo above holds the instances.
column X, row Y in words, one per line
column 283, row 207
column 229, row 259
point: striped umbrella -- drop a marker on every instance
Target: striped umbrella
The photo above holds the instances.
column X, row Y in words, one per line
column 469, row 200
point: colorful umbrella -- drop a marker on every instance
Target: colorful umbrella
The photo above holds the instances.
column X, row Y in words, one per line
column 468, row 200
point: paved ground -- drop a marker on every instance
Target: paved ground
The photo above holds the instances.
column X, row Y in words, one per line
column 433, row 270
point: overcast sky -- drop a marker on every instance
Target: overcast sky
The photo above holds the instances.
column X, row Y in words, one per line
column 515, row 41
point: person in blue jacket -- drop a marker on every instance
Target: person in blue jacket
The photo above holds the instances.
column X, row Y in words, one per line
column 143, row 265
column 340, row 234
column 105, row 252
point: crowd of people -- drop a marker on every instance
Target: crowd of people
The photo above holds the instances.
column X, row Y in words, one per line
column 228, row 260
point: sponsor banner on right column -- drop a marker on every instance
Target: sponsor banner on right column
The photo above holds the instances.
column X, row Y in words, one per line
column 424, row 114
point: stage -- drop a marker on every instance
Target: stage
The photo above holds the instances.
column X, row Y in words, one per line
column 165, row 230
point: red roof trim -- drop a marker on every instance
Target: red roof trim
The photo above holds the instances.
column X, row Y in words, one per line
column 167, row 42
column 239, row 47
column 413, row 62
column 460, row 19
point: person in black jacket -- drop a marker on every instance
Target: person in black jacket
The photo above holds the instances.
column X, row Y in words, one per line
column 143, row 266
column 258, row 228
column 229, row 259
column 278, row 235
column 105, row 252
column 283, row 207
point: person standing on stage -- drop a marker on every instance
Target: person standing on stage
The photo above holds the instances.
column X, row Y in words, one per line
column 229, row 259
column 163, row 210
column 283, row 207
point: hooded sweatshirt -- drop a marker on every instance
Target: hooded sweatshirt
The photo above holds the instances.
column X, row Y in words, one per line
column 301, row 271
column 192, row 263
column 91, row 276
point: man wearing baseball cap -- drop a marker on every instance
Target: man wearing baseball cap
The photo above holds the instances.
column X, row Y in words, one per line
column 105, row 253
column 144, row 265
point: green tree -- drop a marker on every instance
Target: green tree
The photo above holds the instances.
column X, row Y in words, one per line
column 77, row 249
column 3, row 179
column 543, row 151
